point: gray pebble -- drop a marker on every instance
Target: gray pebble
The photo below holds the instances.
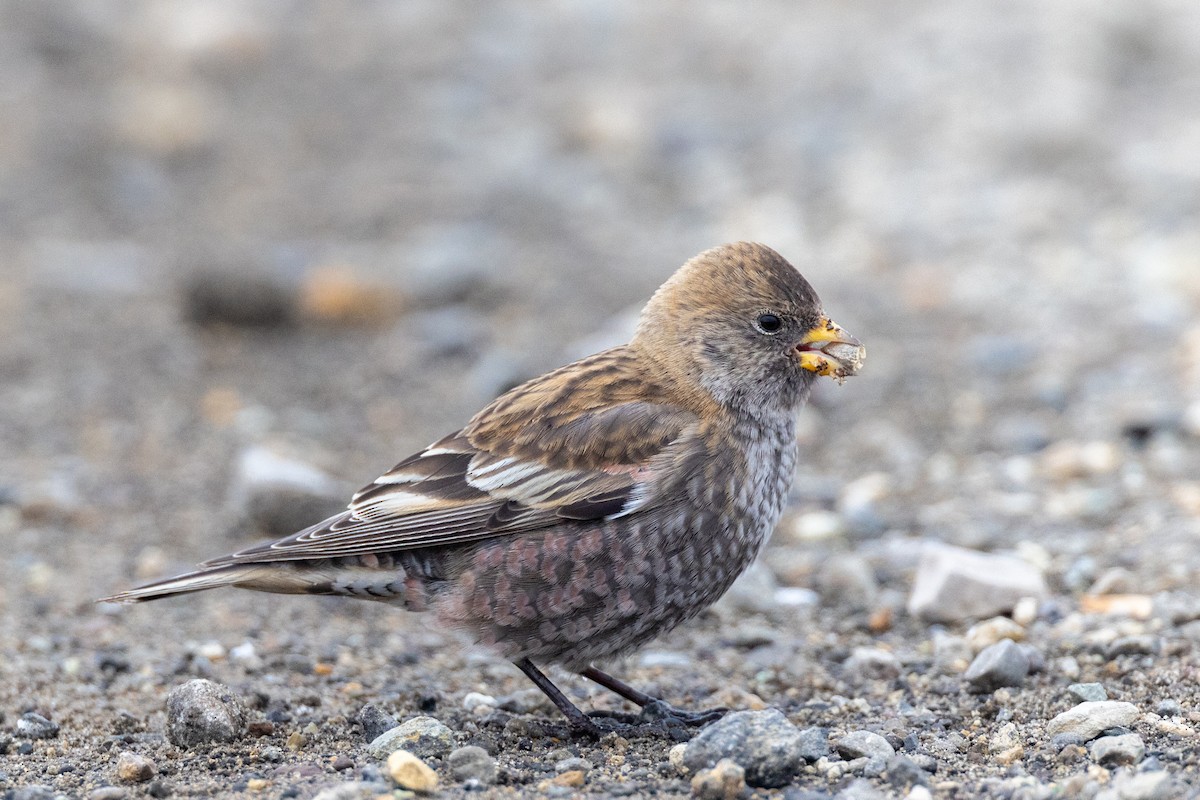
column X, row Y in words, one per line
column 764, row 743
column 277, row 495
column 1168, row 708
column 861, row 789
column 424, row 737
column 473, row 763
column 374, row 721
column 34, row 791
column 1088, row 691
column 848, row 582
column 871, row 662
column 902, row 772
column 573, row 763
column 35, row 726
column 1001, row 664
column 243, row 299
column 864, row 744
column 201, row 711
column 108, row 793
column 813, row 744
column 1118, row 750
column 1145, row 645
column 356, row 790
column 954, row 583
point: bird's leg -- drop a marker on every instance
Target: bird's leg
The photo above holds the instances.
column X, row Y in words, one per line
column 653, row 709
column 577, row 719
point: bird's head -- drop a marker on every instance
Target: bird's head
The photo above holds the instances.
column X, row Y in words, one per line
column 744, row 325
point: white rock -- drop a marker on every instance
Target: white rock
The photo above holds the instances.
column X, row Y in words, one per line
column 1089, row 720
column 954, row 583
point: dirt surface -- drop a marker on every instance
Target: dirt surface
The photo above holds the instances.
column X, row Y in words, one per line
column 425, row 202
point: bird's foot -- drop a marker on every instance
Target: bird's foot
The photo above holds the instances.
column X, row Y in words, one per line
column 663, row 713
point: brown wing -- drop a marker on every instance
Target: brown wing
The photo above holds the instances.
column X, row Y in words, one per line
column 574, row 444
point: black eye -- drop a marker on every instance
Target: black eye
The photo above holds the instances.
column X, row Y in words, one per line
column 768, row 323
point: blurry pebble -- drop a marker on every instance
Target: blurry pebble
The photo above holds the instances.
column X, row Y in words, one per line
column 1088, row 692
column 848, row 582
column 108, row 793
column 447, row 264
column 374, row 721
column 246, row 655
column 1025, row 612
column 675, row 758
column 423, row 736
column 34, row 726
column 410, row 772
column 1145, row 644
column 1157, row 785
column 990, row 631
column 998, row 665
column 764, row 743
column 525, row 701
column 1065, row 460
column 752, row 593
column 478, row 703
column 573, row 764
column 1117, row 580
column 864, row 744
column 278, row 495
column 241, row 299
column 1089, row 719
column 473, row 764
column 903, row 772
column 1137, row 606
column 724, row 781
column 336, row 295
column 1168, row 708
column 573, row 778
column 134, row 768
column 871, row 662
column 1005, row 738
column 1110, row 751
column 954, row 583
column 200, row 711
column 734, row 696
column 815, row 526
column 812, row 744
column 951, row 653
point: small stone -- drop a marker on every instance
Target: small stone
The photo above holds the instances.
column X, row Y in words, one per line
column 955, row 584
column 410, row 772
column 200, row 711
column 864, row 744
column 813, row 744
column 108, row 793
column 1088, row 720
column 473, row 763
column 1168, row 708
column 35, row 726
column 276, row 494
column 951, row 654
column 257, row 784
column 848, row 582
column 341, row 763
column 573, row 778
column 1157, row 785
column 1144, row 645
column 675, row 758
column 1088, row 692
column 423, row 736
column 238, row 298
column 296, row 741
column 724, row 781
column 526, row 701
column 990, row 631
column 871, row 662
column 1025, row 612
column 1136, row 606
column 764, row 743
column 1121, row 750
column 573, row 764
column 903, row 772
column 1006, row 738
column 478, row 703
column 374, row 721
column 998, row 665
column 752, row 593
column 134, row 768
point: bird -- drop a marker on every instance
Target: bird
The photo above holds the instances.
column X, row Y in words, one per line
column 587, row 511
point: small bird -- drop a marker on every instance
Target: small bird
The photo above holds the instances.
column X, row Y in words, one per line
column 595, row 507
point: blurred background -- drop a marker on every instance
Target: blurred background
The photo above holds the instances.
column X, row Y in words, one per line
column 253, row 252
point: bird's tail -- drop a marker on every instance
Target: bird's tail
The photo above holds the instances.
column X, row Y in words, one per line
column 262, row 577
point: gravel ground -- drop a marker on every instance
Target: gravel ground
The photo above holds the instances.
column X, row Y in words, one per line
column 255, row 252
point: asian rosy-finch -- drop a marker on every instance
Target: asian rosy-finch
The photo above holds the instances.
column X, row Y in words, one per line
column 586, row 511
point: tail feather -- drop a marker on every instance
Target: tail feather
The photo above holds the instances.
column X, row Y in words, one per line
column 186, row 583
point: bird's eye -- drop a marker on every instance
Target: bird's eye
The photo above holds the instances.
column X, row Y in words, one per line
column 768, row 323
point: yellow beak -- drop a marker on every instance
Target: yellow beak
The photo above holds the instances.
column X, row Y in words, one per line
column 827, row 349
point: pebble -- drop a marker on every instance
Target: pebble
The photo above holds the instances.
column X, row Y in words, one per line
column 1158, row 785
column 277, row 495
column 573, row 764
column 35, row 726
column 479, row 703
column 425, row 737
column 134, row 768
column 813, row 744
column 374, row 721
column 1089, row 719
column 238, row 298
column 675, row 758
column 473, row 763
column 990, row 631
column 1142, row 645
column 864, row 744
column 723, row 781
column 525, row 701
column 764, row 743
column 752, row 593
column 955, row 584
column 1120, row 750
column 1088, row 692
column 871, row 662
column 352, row 791
column 1168, row 708
column 201, row 711
column 410, row 772
column 1005, row 738
column 998, row 665
column 902, row 771
column 848, row 582
column 108, row 793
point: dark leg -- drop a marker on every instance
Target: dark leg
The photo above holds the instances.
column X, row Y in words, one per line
column 577, row 719
column 653, row 709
